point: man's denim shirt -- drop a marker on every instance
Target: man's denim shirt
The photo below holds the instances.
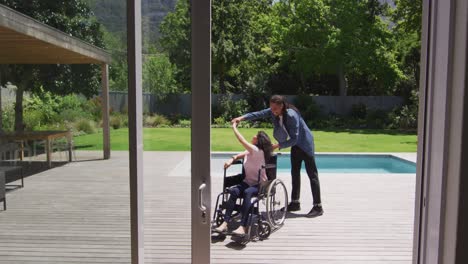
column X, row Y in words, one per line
column 299, row 134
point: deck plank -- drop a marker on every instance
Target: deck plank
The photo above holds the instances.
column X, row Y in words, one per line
column 79, row 213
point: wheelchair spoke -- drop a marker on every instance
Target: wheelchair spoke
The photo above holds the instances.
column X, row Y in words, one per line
column 277, row 200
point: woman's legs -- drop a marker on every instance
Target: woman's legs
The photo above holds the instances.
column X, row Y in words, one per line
column 234, row 193
column 296, row 163
column 247, row 203
column 247, row 192
column 312, row 172
column 297, row 156
column 311, row 169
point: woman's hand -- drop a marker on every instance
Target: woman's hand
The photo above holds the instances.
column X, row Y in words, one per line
column 275, row 146
column 236, row 120
column 228, row 163
column 234, row 125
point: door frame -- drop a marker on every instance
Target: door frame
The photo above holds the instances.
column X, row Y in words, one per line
column 441, row 201
column 201, row 130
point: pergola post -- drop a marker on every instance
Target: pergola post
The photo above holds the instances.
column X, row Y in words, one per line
column 105, row 110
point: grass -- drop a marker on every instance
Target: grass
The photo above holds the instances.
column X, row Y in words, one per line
column 222, row 139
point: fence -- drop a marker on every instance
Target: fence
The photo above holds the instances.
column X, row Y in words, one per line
column 181, row 104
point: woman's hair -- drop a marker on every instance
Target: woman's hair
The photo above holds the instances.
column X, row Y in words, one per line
column 281, row 100
column 264, row 143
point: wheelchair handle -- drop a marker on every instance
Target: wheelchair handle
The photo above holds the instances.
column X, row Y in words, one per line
column 200, row 197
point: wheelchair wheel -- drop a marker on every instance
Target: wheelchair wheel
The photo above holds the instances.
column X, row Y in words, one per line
column 276, row 202
column 264, row 230
column 219, row 219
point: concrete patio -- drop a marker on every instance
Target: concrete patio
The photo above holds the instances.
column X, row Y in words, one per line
column 79, row 213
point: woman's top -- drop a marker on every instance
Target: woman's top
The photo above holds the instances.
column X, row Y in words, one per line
column 290, row 130
column 253, row 161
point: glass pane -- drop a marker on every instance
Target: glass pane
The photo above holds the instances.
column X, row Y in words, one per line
column 74, row 205
column 343, row 66
column 167, row 135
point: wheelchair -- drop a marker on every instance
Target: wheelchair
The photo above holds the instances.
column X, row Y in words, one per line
column 268, row 210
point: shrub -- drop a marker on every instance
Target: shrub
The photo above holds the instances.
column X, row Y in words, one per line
column 358, row 111
column 245, row 125
column 115, row 121
column 148, row 121
column 94, row 106
column 185, row 123
column 220, row 122
column 232, row 108
column 309, row 109
column 8, row 118
column 265, row 125
column 71, row 101
column 73, row 114
column 33, row 119
column 46, row 104
column 85, row 125
column 156, row 121
column 332, row 121
column 405, row 117
column 174, row 118
column 377, row 119
column 216, row 111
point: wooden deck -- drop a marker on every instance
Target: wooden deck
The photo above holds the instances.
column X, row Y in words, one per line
column 79, row 213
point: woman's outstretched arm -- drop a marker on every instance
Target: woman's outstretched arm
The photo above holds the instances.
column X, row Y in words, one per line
column 248, row 146
column 265, row 113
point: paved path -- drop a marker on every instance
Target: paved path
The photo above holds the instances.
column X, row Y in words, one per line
column 79, row 213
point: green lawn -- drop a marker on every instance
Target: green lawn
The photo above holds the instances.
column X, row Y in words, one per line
column 222, row 139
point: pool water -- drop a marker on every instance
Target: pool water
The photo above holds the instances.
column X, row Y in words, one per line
column 346, row 163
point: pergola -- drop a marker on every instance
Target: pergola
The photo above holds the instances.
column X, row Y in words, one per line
column 24, row 40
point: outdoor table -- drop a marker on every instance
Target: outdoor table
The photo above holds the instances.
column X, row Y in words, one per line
column 47, row 136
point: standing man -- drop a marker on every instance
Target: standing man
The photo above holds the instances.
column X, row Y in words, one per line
column 290, row 130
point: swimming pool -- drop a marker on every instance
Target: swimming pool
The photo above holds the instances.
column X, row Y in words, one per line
column 343, row 163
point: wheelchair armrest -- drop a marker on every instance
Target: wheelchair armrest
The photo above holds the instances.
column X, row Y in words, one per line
column 239, row 161
column 236, row 162
column 269, row 166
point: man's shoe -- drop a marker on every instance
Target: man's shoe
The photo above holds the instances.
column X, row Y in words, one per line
column 294, row 206
column 316, row 211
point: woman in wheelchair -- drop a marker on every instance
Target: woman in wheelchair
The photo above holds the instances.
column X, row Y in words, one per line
column 256, row 153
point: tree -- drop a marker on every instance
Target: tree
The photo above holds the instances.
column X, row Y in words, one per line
column 303, row 34
column 158, row 74
column 407, row 17
column 237, row 37
column 74, row 18
column 175, row 41
column 338, row 36
column 240, row 43
column 118, row 69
